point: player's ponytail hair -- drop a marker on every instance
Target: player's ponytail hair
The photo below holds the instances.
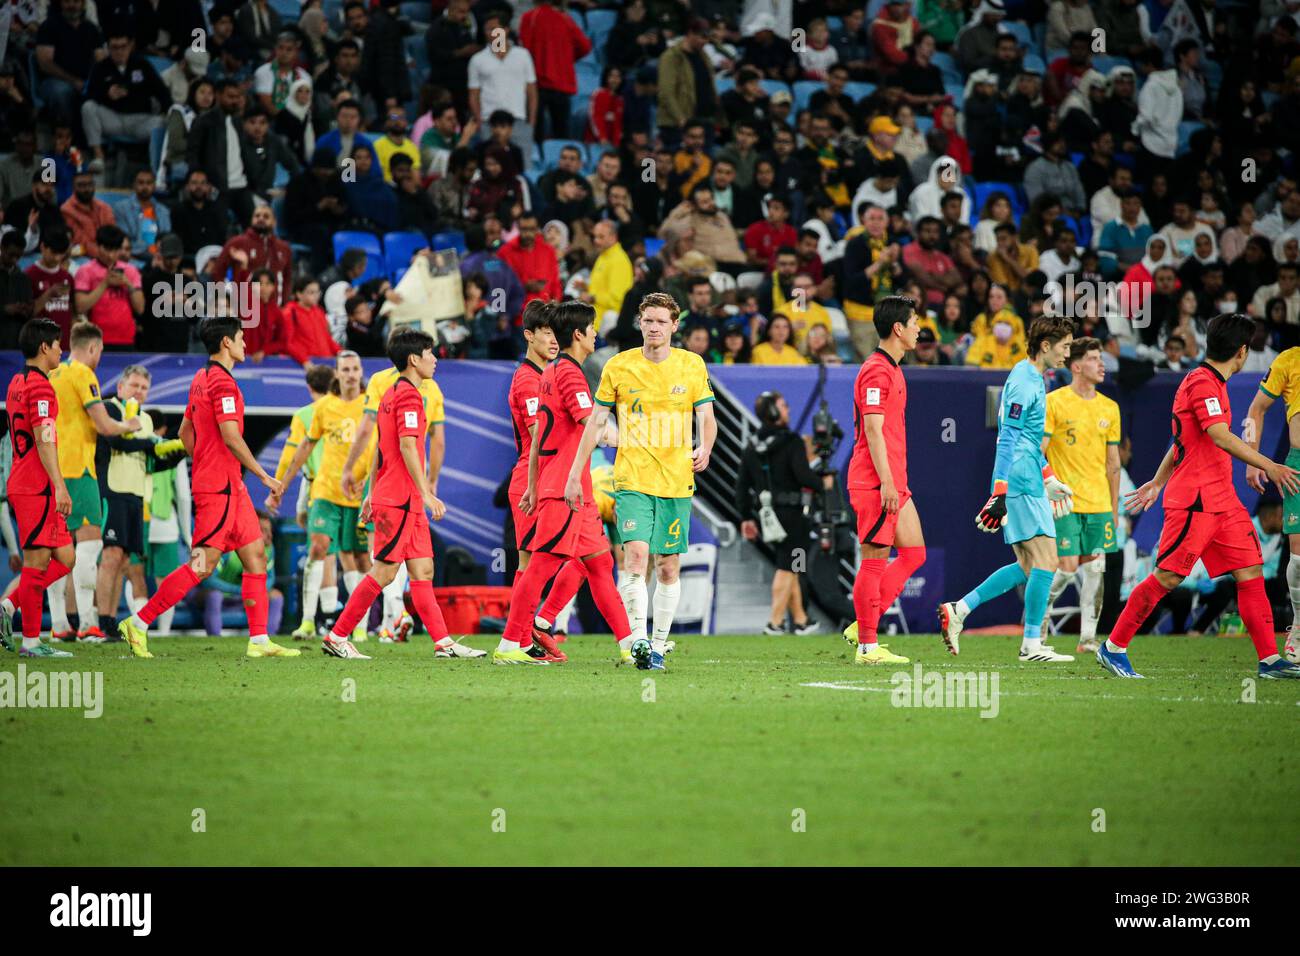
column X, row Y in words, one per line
column 1050, row 329
column 1227, row 334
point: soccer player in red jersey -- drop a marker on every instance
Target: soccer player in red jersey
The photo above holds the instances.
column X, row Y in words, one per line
column 878, row 480
column 399, row 493
column 38, row 497
column 224, row 518
column 564, row 529
column 1204, row 519
column 524, row 404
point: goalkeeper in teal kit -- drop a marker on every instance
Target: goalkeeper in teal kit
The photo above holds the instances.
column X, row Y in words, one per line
column 1026, row 496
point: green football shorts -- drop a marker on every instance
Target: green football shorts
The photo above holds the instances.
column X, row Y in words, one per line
column 87, row 508
column 339, row 524
column 1083, row 534
column 665, row 523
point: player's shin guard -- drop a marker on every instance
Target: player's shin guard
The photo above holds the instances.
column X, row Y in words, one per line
column 1036, row 591
column 358, row 606
column 866, row 598
column 610, row 604
column 311, row 584
column 170, row 592
column 1257, row 615
column 84, row 577
column 896, row 574
column 563, row 588
column 1293, row 586
column 1060, row 581
column 351, row 579
column 527, row 592
column 252, row 588
column 633, row 591
column 329, row 600
column 426, row 605
column 665, row 603
column 996, row 584
column 1140, row 604
column 1091, row 595
column 57, row 591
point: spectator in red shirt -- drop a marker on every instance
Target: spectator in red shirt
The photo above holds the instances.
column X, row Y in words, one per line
column 108, row 290
column 266, row 336
column 765, row 237
column 933, row 270
column 556, row 44
column 1063, row 73
column 84, row 214
column 892, row 33
column 255, row 248
column 809, row 260
column 605, row 111
column 52, row 283
column 305, row 329
column 533, row 262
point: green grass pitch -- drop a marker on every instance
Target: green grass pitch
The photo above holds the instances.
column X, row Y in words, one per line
column 748, row 751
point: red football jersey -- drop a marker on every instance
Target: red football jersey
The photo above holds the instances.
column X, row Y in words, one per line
column 214, row 398
column 879, row 389
column 401, row 413
column 524, row 403
column 32, row 404
column 1202, row 478
column 565, row 404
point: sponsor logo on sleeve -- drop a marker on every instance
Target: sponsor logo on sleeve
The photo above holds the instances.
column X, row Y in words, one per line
column 1213, row 407
column 42, row 408
column 228, row 405
column 873, row 396
column 584, row 400
column 530, row 405
column 1016, row 411
column 412, row 419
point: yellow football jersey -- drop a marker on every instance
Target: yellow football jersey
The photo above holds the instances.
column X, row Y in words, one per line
column 77, row 387
column 602, row 485
column 334, row 425
column 434, row 410
column 655, row 404
column 1079, row 430
column 1282, row 381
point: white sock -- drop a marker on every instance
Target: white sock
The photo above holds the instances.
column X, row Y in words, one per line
column 59, row 605
column 135, row 619
column 257, row 638
column 1115, row 648
column 8, row 605
column 626, row 643
column 867, row 648
column 311, row 581
column 541, row 622
column 137, row 604
column 30, row 642
column 350, row 580
column 1090, row 597
column 665, row 606
column 329, row 600
column 962, row 608
column 1060, row 581
column 394, row 605
column 164, row 620
column 1031, row 643
column 566, row 612
column 1293, row 585
column 633, row 592
column 84, row 574
column 503, row 645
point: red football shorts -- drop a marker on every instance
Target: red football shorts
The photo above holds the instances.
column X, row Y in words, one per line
column 525, row 525
column 401, row 532
column 39, row 524
column 875, row 525
column 1224, row 541
column 225, row 520
column 567, row 533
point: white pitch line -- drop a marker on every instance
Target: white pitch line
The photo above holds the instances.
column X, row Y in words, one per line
column 846, row 685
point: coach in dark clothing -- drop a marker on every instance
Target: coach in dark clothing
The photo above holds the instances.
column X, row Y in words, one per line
column 776, row 461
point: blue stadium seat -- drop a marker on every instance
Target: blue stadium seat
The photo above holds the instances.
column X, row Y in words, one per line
column 957, row 91
column 1051, row 56
column 418, row 12
column 924, row 124
column 588, row 84
column 1185, row 131
column 576, row 16
column 1104, row 64
column 450, row 240
column 1019, row 30
column 948, row 67
column 551, row 151
column 367, row 243
column 593, row 154
column 980, row 192
column 416, row 53
column 398, row 249
column 1085, row 230
column 34, row 79
column 1032, row 61
column 775, row 86
column 281, row 177
column 803, row 92
column 835, row 23
column 723, row 83
column 156, row 137
column 333, row 10
column 859, row 91
column 289, row 9
column 652, row 246
column 600, row 23
column 160, row 63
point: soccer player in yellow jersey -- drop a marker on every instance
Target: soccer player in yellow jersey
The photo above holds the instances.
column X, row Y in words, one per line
column 1081, row 441
column 397, row 623
column 1282, row 381
column 320, row 379
column 333, row 515
column 82, row 419
column 656, row 392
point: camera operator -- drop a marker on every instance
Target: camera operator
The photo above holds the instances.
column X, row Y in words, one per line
column 769, row 495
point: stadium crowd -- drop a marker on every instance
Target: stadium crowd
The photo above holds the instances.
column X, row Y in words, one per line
column 776, row 166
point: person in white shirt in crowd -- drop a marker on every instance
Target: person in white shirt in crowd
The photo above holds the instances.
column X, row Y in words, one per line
column 502, row 77
column 1182, row 232
column 1061, row 258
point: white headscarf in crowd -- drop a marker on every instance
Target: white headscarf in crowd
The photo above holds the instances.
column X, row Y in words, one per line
column 1151, row 265
column 302, row 113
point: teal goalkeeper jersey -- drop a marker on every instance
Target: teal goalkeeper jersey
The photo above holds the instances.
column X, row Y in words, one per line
column 1022, row 417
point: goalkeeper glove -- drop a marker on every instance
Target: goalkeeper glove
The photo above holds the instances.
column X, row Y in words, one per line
column 994, row 513
column 1058, row 493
